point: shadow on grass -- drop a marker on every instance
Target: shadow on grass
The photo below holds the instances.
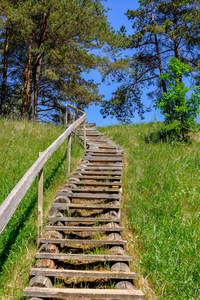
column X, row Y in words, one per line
column 21, row 224
column 164, row 135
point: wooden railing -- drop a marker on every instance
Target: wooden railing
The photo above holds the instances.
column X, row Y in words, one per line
column 11, row 203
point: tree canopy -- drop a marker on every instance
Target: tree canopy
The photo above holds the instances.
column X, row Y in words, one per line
column 161, row 30
column 47, row 46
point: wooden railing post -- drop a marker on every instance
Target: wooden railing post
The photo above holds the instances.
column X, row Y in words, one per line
column 84, row 132
column 67, row 116
column 40, row 203
column 76, row 115
column 69, row 153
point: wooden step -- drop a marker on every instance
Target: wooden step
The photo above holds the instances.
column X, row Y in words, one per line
column 57, row 293
column 85, row 206
column 84, row 228
column 101, row 158
column 90, row 133
column 100, row 146
column 110, row 147
column 84, row 242
column 94, row 190
column 104, row 165
column 96, row 168
column 104, row 151
column 97, row 177
column 83, row 257
column 83, row 274
column 103, row 155
column 88, row 196
column 110, row 173
column 95, row 183
column 83, row 219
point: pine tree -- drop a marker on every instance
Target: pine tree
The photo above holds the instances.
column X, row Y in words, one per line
column 162, row 29
column 53, row 48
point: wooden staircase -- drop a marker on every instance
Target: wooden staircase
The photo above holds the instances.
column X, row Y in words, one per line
column 82, row 252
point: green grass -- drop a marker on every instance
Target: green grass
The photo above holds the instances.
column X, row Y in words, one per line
column 164, row 209
column 20, row 143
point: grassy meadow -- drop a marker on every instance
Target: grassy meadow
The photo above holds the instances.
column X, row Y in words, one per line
column 161, row 191
column 20, row 143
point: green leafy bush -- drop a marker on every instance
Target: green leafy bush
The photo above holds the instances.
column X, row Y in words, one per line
column 175, row 105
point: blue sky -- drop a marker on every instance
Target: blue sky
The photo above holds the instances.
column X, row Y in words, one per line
column 117, row 18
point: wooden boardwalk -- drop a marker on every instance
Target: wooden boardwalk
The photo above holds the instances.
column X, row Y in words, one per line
column 82, row 252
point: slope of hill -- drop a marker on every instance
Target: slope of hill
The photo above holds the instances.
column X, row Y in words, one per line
column 20, row 143
column 161, row 198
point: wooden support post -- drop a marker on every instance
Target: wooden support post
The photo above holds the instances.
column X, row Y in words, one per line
column 68, row 154
column 76, row 117
column 40, row 203
column 67, row 117
column 84, row 130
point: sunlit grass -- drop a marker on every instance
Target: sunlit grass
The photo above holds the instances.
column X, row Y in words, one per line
column 20, row 143
column 164, row 209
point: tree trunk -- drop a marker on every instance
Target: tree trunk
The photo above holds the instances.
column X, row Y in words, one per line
column 32, row 111
column 27, row 82
column 176, row 48
column 5, row 69
column 158, row 52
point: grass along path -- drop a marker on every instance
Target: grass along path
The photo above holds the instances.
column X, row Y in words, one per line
column 20, row 143
column 164, row 210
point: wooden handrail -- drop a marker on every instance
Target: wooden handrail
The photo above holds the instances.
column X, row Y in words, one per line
column 11, row 203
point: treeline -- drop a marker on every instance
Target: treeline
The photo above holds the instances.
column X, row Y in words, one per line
column 46, row 46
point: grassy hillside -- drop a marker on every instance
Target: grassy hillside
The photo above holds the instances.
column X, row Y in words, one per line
column 20, row 143
column 161, row 195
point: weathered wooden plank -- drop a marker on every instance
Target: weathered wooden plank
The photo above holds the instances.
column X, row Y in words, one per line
column 85, row 206
column 94, row 190
column 83, row 257
column 104, row 151
column 84, row 293
column 102, row 158
column 97, row 177
column 88, row 196
column 11, row 203
column 83, row 242
column 104, row 165
column 99, row 139
column 116, row 168
column 84, row 228
column 96, row 183
column 40, row 203
column 69, row 153
column 91, row 133
column 110, row 173
column 103, row 155
column 83, row 274
column 83, row 219
column 84, row 135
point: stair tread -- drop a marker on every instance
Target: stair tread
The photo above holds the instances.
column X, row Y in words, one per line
column 83, row 228
column 83, row 242
column 95, row 183
column 85, row 206
column 88, row 195
column 83, row 293
column 84, row 257
column 84, row 274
